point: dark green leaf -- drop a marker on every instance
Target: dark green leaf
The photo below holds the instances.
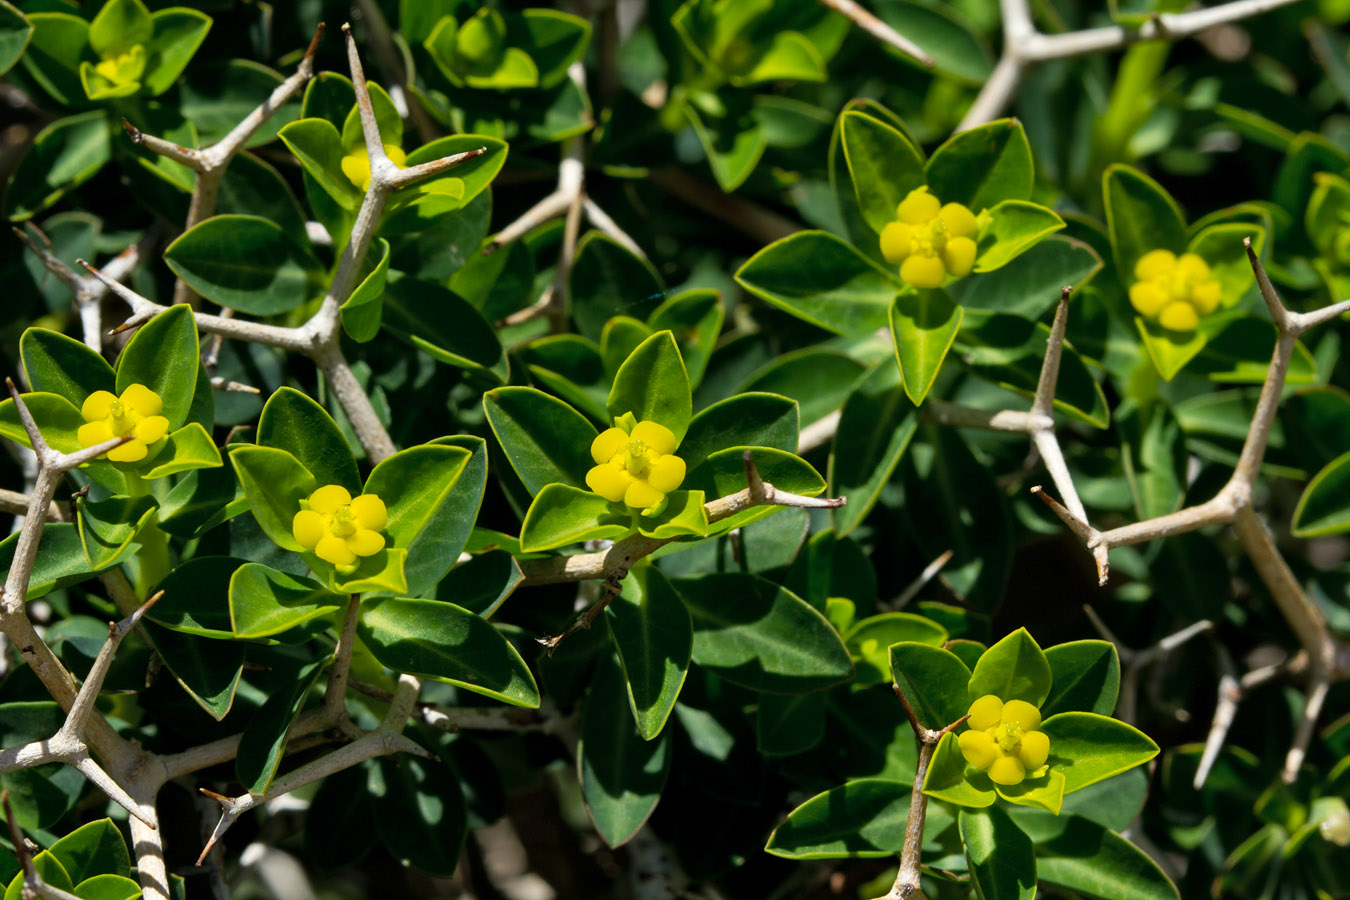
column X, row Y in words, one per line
column 291, row 421
column 1085, row 675
column 264, row 736
column 653, row 385
column 246, row 263
column 933, row 679
column 545, row 440
column 1002, row 863
column 653, row 634
column 65, row 155
column 60, row 365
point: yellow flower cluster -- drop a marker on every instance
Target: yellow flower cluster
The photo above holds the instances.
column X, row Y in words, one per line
column 135, row 413
column 1174, row 291
column 930, row 241
column 339, row 528
column 1002, row 739
column 638, row 466
column 356, row 164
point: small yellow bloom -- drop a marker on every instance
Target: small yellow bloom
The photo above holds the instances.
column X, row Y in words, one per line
column 356, row 164
column 123, row 67
column 930, row 241
column 1174, row 291
column 1003, row 741
column 135, row 413
column 338, row 528
column 637, row 467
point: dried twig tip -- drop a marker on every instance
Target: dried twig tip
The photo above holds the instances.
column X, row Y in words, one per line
column 314, row 42
column 132, row 131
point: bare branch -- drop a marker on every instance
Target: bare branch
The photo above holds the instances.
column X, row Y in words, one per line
column 880, row 30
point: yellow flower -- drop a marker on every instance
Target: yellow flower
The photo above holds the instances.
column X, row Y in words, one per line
column 124, row 67
column 136, row 413
column 356, row 164
column 1174, row 292
column 338, row 528
column 637, row 467
column 1002, row 739
column 930, row 241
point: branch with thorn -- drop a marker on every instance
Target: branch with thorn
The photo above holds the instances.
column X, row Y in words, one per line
column 1232, row 506
column 320, row 337
column 880, row 30
column 906, row 884
column 1132, row 661
column 611, row 566
column 1025, row 46
column 210, row 163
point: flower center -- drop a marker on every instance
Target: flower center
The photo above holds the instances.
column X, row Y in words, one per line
column 119, row 418
column 635, row 458
column 1009, row 737
column 344, row 523
column 930, row 239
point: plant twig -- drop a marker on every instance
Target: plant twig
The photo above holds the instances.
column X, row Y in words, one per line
column 880, row 30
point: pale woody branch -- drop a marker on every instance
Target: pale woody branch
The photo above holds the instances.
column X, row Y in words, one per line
column 1025, row 46
column 879, row 29
column 1232, row 506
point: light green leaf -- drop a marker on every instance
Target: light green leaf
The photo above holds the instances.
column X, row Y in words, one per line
column 275, row 482
column 864, row 818
column 562, row 515
column 15, row 31
column 883, row 164
column 179, row 31
column 1045, row 793
column 1013, row 669
column 924, row 325
column 1088, row 748
column 95, row 848
column 1002, row 863
column 1324, row 507
column 823, row 280
column 947, row 778
column 869, row 641
column 265, row 602
column 759, row 635
column 293, row 422
column 56, row 364
column 695, row 318
column 1085, row 675
column 749, row 418
column 653, row 385
column 361, row 311
column 317, row 145
column 64, row 155
column 545, row 440
column 1140, row 216
column 933, row 679
column 723, row 473
column 107, row 527
column 188, row 448
column 246, row 263
column 1015, row 227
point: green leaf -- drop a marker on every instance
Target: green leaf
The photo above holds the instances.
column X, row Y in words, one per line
column 291, row 421
column 208, row 670
column 265, row 602
column 1089, row 748
column 1324, row 507
column 870, row 639
column 59, row 42
column 731, row 137
column 653, row 385
column 695, row 318
column 620, row 337
column 48, row 868
column 864, row 818
column 1002, row 863
column 754, row 418
column 60, row 561
column 178, row 32
column 1140, row 216
column 1013, row 669
column 824, row 280
column 382, row 573
column 947, row 777
column 545, row 440
column 1085, row 675
column 790, row 56
column 275, row 482
column 108, row 527
column 1221, row 246
column 553, row 39
column 448, row 643
column 883, row 164
column 93, row 849
column 1044, row 793
column 1169, row 350
column 264, row 736
column 562, row 515
column 246, row 263
column 108, row 887
column 216, row 96
column 1030, row 284
column 943, row 34
column 924, row 325
column 188, row 448
column 438, row 321
column 56, row 364
column 1093, row 861
column 483, row 583
column 419, row 812
column 433, row 493
column 119, row 25
column 361, row 311
column 933, row 679
column 684, row 516
column 788, row 725
column 654, row 635
column 164, row 355
column 875, row 427
column 196, row 597
column 622, row 775
column 1015, row 227
column 64, row 155
column 607, row 280
column 1239, row 353
column 317, row 145
column 818, row 379
column 983, row 166
column 15, row 31
column 759, row 635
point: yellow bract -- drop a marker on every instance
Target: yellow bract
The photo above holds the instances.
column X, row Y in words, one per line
column 339, row 528
column 930, row 241
column 637, row 467
column 356, row 164
column 1174, row 291
column 124, row 67
column 135, row 413
column 1003, row 740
